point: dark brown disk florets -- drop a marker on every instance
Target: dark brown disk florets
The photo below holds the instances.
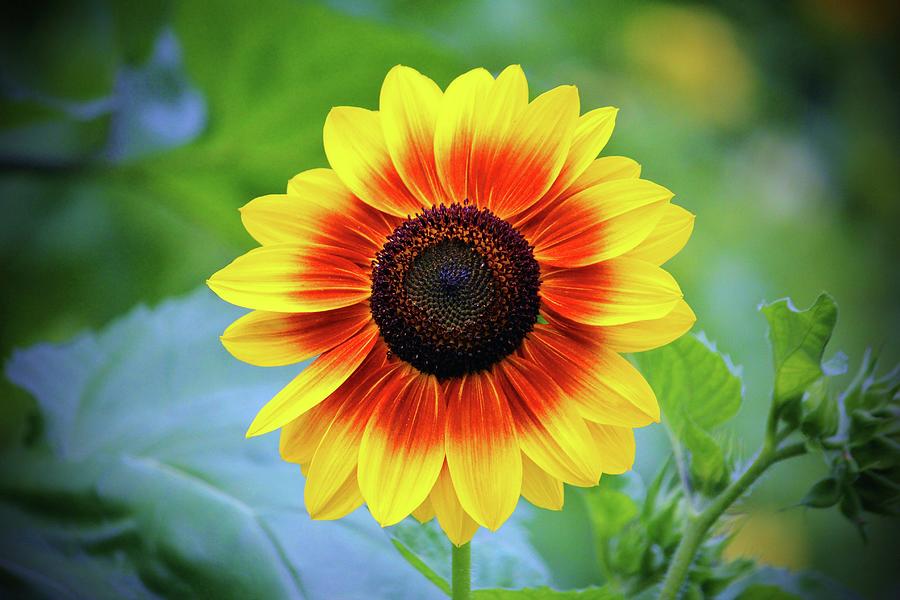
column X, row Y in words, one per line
column 455, row 290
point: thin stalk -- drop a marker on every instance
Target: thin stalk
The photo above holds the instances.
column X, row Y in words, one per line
column 462, row 572
column 700, row 525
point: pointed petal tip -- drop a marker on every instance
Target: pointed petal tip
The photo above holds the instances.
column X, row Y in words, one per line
column 257, row 429
column 214, row 285
column 385, row 521
column 513, row 68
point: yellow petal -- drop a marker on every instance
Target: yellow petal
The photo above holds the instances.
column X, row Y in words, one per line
column 670, row 235
column 617, row 379
column 300, row 438
column 455, row 129
column 549, row 429
column 409, row 108
column 270, row 339
column 513, row 172
column 337, row 454
column 615, row 447
column 319, row 210
column 601, row 222
column 604, row 386
column 425, row 511
column 647, row 335
column 338, row 505
column 357, row 151
column 451, row 516
column 315, row 383
column 291, row 217
column 482, row 450
column 539, row 487
column 288, row 278
column 591, row 135
column 402, row 450
column 606, row 168
column 615, row 291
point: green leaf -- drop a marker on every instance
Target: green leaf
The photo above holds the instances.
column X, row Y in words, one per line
column 156, row 225
column 698, row 389
column 59, row 49
column 798, row 341
column 504, row 559
column 823, row 494
column 707, row 459
column 610, row 506
column 422, row 567
column 820, row 410
column 544, row 593
column 692, row 380
column 144, row 484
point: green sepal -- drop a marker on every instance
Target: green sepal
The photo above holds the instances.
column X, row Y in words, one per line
column 824, row 494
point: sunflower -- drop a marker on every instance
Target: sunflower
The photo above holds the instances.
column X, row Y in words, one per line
column 467, row 274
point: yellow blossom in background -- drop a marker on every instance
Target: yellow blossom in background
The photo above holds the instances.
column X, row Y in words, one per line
column 778, row 539
column 694, row 57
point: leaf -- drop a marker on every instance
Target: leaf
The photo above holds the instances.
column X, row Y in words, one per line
column 819, row 410
column 763, row 591
column 692, row 380
column 707, row 459
column 595, row 593
column 261, row 78
column 804, row 585
column 698, row 389
column 422, row 567
column 501, row 559
column 798, row 341
column 610, row 506
column 58, row 49
column 145, row 479
column 823, row 494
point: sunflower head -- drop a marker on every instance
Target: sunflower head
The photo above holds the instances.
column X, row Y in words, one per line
column 455, row 290
column 467, row 273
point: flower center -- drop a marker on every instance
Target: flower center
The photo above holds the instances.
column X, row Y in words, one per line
column 455, row 290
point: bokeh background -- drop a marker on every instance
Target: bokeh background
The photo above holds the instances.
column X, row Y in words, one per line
column 130, row 133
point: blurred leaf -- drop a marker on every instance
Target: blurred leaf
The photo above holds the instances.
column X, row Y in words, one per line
column 823, row 494
column 798, row 341
column 820, row 410
column 36, row 134
column 287, row 63
column 707, row 460
column 544, row 593
column 501, row 559
column 610, row 505
column 137, row 25
column 422, row 567
column 112, row 235
column 59, row 49
column 763, row 591
column 698, row 389
column 804, row 585
column 147, row 482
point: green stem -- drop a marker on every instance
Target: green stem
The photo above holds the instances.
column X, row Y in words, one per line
column 700, row 525
column 462, row 572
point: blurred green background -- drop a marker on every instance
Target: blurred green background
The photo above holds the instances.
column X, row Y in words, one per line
column 131, row 132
